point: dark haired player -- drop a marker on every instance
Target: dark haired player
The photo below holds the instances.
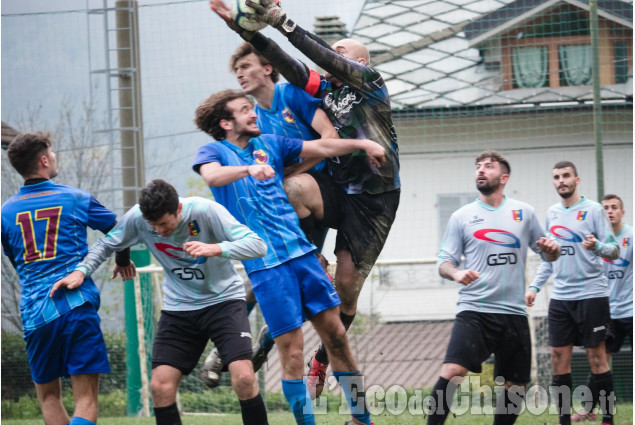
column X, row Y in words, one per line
column 493, row 233
column 44, row 236
column 356, row 198
column 579, row 307
column 195, row 240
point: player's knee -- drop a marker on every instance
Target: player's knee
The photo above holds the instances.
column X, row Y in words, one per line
column 293, row 188
column 243, row 383
column 161, row 388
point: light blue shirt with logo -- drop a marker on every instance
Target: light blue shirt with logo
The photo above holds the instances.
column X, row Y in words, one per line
column 494, row 242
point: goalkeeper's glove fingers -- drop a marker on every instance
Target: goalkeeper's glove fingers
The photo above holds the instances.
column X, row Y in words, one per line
column 269, row 12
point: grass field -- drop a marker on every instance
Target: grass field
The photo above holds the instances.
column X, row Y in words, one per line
column 624, row 416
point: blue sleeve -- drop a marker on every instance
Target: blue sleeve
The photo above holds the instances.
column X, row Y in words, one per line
column 99, row 217
column 301, row 102
column 205, row 154
column 289, row 149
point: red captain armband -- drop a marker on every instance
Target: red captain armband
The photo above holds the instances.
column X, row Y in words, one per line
column 313, row 84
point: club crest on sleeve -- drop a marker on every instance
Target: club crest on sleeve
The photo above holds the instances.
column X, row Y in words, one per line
column 260, row 156
column 581, row 215
column 518, row 215
column 194, row 228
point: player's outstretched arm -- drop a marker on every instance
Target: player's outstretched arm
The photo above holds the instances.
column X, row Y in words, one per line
column 549, row 247
column 217, row 175
column 449, row 271
column 72, row 281
column 336, row 147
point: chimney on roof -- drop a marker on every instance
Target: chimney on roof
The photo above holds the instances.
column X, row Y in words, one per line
column 329, row 28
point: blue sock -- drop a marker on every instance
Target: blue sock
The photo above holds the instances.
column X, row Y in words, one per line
column 349, row 381
column 297, row 395
column 76, row 420
column 250, row 306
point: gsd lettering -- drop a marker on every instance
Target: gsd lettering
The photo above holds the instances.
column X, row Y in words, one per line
column 187, row 273
column 501, row 259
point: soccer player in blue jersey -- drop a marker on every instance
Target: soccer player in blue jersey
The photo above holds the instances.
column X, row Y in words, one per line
column 579, row 311
column 195, row 240
column 493, row 234
column 244, row 171
column 44, row 236
column 288, row 111
column 357, row 199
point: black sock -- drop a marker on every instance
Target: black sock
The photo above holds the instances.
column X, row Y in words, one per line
column 307, row 224
column 321, row 355
column 254, row 412
column 594, row 393
column 606, row 396
column 442, row 394
column 347, row 319
column 562, row 392
column 168, row 415
column 508, row 406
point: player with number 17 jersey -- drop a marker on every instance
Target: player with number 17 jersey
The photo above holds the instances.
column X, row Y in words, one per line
column 494, row 242
column 44, row 235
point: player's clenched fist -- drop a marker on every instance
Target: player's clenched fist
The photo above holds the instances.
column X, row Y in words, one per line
column 530, row 297
column 549, row 247
column 466, row 277
column 261, row 172
column 200, row 249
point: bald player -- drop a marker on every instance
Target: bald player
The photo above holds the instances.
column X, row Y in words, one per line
column 355, row 197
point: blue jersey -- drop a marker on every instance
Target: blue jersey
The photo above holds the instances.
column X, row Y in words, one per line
column 620, row 275
column 494, row 242
column 261, row 205
column 291, row 113
column 44, row 232
column 578, row 274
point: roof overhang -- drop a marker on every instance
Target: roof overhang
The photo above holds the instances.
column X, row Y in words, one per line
column 518, row 20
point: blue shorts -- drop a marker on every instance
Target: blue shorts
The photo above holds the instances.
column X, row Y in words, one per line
column 293, row 291
column 72, row 344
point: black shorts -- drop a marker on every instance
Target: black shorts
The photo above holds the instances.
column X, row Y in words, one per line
column 182, row 335
column 581, row 322
column 622, row 328
column 362, row 220
column 475, row 336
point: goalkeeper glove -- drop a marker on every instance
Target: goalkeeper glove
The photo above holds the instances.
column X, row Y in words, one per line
column 270, row 12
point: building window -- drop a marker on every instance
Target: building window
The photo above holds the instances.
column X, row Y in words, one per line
column 620, row 55
column 575, row 65
column 531, row 67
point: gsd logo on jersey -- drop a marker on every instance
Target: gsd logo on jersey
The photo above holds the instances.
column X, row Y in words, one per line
column 261, row 156
column 565, row 234
column 581, row 215
column 194, row 229
column 518, row 215
column 288, row 117
column 626, row 242
column 178, row 253
column 503, row 238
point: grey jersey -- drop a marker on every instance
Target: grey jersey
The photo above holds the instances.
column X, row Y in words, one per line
column 190, row 283
column 494, row 242
column 620, row 275
column 578, row 273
